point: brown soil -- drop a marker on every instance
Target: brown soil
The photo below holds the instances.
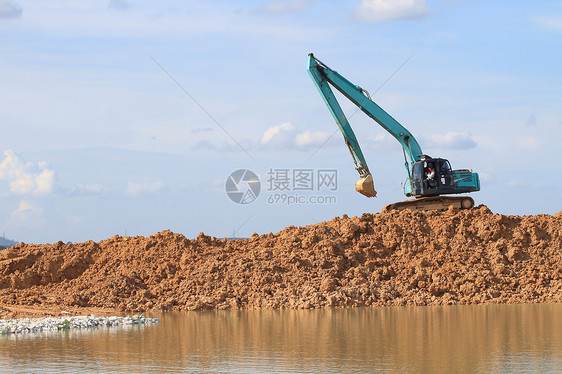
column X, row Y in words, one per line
column 396, row 258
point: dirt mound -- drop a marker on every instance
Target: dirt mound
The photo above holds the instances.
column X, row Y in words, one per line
column 396, row 258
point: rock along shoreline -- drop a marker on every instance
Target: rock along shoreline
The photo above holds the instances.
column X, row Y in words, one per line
column 46, row 324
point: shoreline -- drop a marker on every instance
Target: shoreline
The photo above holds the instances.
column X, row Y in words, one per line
column 17, row 312
column 39, row 311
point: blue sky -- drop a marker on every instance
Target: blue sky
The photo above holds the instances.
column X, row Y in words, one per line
column 98, row 139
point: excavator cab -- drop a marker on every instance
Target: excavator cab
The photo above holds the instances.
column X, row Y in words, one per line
column 434, row 176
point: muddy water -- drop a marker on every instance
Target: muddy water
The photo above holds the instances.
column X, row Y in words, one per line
column 482, row 338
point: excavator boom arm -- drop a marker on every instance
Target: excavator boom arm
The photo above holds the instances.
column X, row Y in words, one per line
column 322, row 74
column 342, row 122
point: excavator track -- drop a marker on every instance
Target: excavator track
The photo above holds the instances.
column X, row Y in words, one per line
column 432, row 203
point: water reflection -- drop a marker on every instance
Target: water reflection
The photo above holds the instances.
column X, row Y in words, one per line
column 491, row 338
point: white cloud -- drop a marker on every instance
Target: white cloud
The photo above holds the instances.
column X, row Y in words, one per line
column 26, row 178
column 487, row 178
column 381, row 140
column 45, row 181
column 311, row 139
column 450, row 140
column 281, row 136
column 389, row 10
column 285, row 6
column 143, row 188
column 27, row 213
column 286, row 136
column 87, row 190
column 10, row 9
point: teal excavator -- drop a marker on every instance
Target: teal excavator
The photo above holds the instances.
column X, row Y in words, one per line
column 428, row 178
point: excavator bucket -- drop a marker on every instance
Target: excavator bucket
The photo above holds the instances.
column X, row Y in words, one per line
column 366, row 186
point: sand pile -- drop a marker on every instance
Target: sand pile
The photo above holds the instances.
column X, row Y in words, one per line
column 396, row 258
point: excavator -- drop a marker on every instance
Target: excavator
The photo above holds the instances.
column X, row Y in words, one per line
column 428, row 178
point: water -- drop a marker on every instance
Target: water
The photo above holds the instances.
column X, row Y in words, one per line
column 466, row 339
